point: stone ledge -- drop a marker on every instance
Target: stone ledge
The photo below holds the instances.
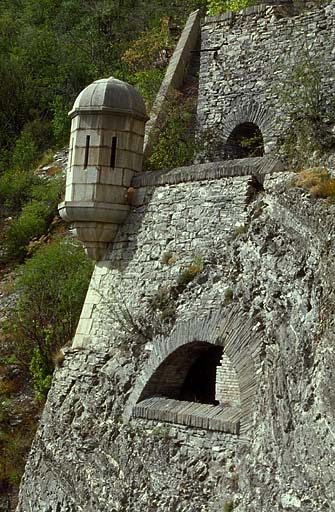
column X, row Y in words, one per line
column 210, row 417
column 209, row 171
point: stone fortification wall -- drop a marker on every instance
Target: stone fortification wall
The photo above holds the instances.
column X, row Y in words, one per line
column 187, row 213
column 264, row 246
column 245, row 58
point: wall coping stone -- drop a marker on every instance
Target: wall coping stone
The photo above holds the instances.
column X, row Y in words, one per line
column 259, row 166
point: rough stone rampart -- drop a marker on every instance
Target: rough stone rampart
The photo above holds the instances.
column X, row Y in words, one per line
column 280, row 276
column 245, row 59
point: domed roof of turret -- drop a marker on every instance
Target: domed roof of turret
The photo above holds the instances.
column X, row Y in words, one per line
column 110, row 94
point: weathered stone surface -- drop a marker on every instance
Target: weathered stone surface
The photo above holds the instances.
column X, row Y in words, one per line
column 281, row 271
column 245, row 60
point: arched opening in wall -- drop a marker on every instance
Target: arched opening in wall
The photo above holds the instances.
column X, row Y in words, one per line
column 245, row 141
column 192, row 387
column 200, row 381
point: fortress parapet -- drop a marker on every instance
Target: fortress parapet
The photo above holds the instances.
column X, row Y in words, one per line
column 106, row 150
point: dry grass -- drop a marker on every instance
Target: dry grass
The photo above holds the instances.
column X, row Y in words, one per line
column 9, row 387
column 58, row 358
column 317, row 181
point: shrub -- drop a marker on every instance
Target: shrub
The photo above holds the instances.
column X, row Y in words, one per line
column 33, row 140
column 163, row 302
column 41, row 369
column 228, row 296
column 219, row 6
column 51, row 289
column 187, row 275
column 25, row 151
column 168, row 258
column 15, row 446
column 15, row 189
column 8, row 387
column 309, row 110
column 325, row 190
column 175, row 146
column 317, row 181
column 60, row 122
column 148, row 83
column 34, row 219
column 158, row 40
column 32, row 222
column 228, row 506
column 241, row 230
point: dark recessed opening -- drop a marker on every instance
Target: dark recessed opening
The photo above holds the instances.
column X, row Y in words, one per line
column 187, row 388
column 87, row 149
column 245, row 141
column 113, row 153
column 199, row 384
column 188, row 374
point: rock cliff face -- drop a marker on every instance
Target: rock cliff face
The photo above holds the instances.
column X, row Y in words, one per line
column 267, row 253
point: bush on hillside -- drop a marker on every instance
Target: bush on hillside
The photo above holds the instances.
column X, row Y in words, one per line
column 34, row 220
column 15, row 190
column 219, row 6
column 35, row 138
column 51, row 288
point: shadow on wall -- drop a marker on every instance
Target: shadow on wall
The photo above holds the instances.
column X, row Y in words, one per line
column 189, row 374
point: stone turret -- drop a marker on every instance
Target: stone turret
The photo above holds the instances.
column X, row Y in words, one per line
column 106, row 150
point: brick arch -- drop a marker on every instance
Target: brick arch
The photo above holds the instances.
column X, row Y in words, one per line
column 250, row 113
column 231, row 328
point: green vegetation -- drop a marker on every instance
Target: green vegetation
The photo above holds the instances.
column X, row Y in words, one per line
column 50, row 50
column 168, row 258
column 51, row 288
column 162, row 310
column 228, row 296
column 228, row 506
column 15, row 437
column 311, row 114
column 243, row 228
column 33, row 222
column 163, row 304
column 175, row 146
column 161, row 433
column 187, row 275
column 220, row 6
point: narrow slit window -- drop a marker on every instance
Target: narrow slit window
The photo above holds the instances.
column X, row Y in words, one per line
column 87, row 149
column 113, row 152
